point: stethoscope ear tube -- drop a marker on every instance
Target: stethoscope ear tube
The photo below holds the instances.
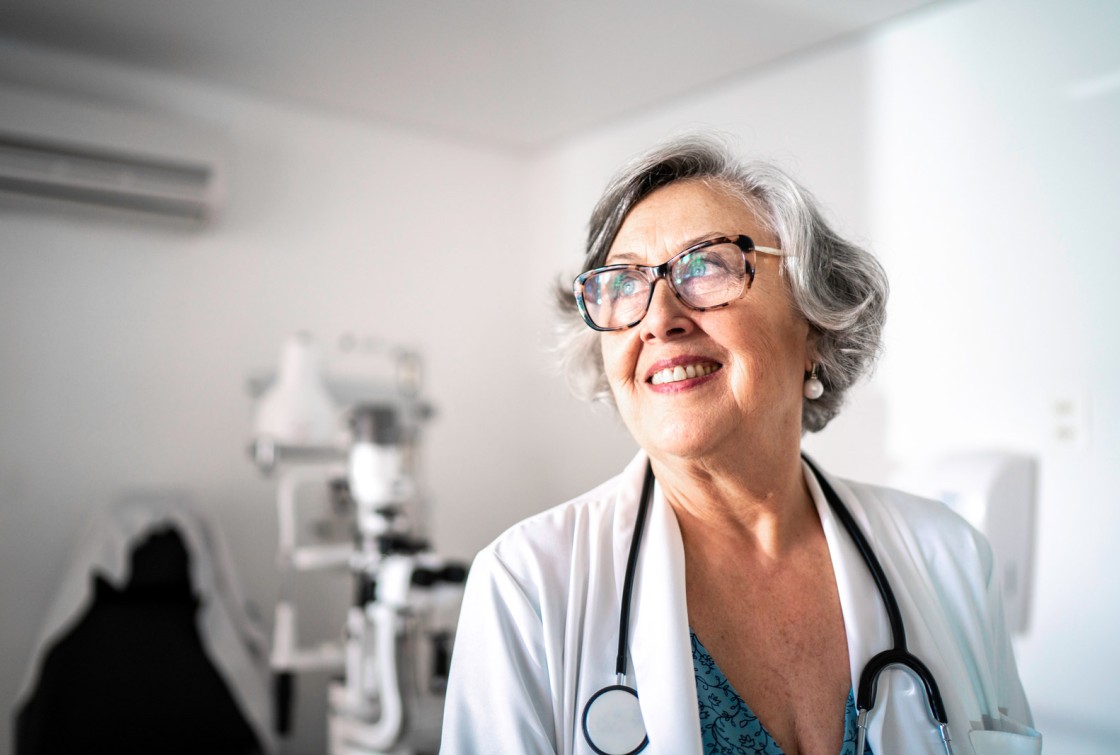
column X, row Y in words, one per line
column 631, row 569
column 894, row 615
column 612, row 719
column 898, row 654
column 869, row 681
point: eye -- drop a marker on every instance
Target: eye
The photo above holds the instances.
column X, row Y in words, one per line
column 711, row 276
column 625, row 284
column 698, row 265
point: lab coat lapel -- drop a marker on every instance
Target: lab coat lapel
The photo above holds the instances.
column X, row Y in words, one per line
column 865, row 619
column 659, row 643
column 625, row 516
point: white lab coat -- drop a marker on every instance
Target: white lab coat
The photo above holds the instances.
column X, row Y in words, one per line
column 538, row 632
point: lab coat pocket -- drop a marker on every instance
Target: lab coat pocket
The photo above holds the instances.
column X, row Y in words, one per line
column 1026, row 741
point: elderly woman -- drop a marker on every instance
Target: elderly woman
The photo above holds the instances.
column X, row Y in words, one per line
column 722, row 594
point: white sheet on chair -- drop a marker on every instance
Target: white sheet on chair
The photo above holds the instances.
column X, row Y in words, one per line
column 236, row 647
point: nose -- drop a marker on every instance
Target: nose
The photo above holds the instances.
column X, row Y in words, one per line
column 666, row 317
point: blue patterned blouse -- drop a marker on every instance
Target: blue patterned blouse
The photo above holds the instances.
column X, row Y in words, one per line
column 727, row 725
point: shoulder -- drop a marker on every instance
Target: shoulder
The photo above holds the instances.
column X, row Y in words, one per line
column 545, row 548
column 942, row 571
column 943, row 540
column 520, row 624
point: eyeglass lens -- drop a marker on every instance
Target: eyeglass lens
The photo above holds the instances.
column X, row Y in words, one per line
column 706, row 278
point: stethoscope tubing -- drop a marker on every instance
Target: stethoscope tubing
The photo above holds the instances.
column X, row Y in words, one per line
column 631, row 569
column 897, row 655
column 894, row 615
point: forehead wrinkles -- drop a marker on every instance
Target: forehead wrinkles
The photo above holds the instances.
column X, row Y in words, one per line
column 676, row 217
column 669, row 251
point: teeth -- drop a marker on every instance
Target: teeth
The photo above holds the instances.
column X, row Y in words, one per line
column 678, row 373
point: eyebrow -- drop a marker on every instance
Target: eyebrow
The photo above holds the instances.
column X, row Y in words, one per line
column 622, row 257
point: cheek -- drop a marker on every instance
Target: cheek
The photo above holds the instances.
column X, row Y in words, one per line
column 619, row 357
column 769, row 351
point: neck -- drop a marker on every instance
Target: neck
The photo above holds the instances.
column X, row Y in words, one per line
column 756, row 503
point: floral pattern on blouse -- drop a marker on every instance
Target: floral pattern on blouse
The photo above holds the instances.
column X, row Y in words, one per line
column 727, row 725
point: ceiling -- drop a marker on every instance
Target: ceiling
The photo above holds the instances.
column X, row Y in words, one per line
column 515, row 73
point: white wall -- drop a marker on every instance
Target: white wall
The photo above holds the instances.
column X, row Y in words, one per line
column 996, row 183
column 974, row 148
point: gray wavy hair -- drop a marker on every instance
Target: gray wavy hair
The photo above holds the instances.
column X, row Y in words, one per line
column 839, row 288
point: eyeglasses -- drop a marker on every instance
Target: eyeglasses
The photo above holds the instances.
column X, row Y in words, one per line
column 705, row 276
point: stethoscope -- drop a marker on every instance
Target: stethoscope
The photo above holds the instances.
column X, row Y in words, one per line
column 612, row 718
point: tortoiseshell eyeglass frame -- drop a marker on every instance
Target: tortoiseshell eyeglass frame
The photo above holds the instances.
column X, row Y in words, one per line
column 654, row 272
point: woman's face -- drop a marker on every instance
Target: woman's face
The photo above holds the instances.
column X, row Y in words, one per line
column 755, row 350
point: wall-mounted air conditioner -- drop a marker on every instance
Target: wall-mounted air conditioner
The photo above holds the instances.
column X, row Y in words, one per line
column 69, row 152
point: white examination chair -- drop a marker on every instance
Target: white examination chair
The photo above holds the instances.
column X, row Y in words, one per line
column 147, row 646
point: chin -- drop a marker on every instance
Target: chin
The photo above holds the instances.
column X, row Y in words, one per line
column 683, row 440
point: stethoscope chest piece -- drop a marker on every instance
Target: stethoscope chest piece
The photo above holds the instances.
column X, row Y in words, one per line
column 612, row 722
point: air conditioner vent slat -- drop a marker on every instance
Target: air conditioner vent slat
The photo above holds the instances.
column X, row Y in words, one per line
column 121, row 200
column 81, row 152
column 32, row 151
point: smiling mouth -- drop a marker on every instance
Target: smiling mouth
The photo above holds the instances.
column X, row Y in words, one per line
column 679, row 373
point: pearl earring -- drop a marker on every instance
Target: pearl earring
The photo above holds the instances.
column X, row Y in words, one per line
column 814, row 388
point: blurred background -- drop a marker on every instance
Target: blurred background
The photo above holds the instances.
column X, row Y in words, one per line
column 382, row 170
